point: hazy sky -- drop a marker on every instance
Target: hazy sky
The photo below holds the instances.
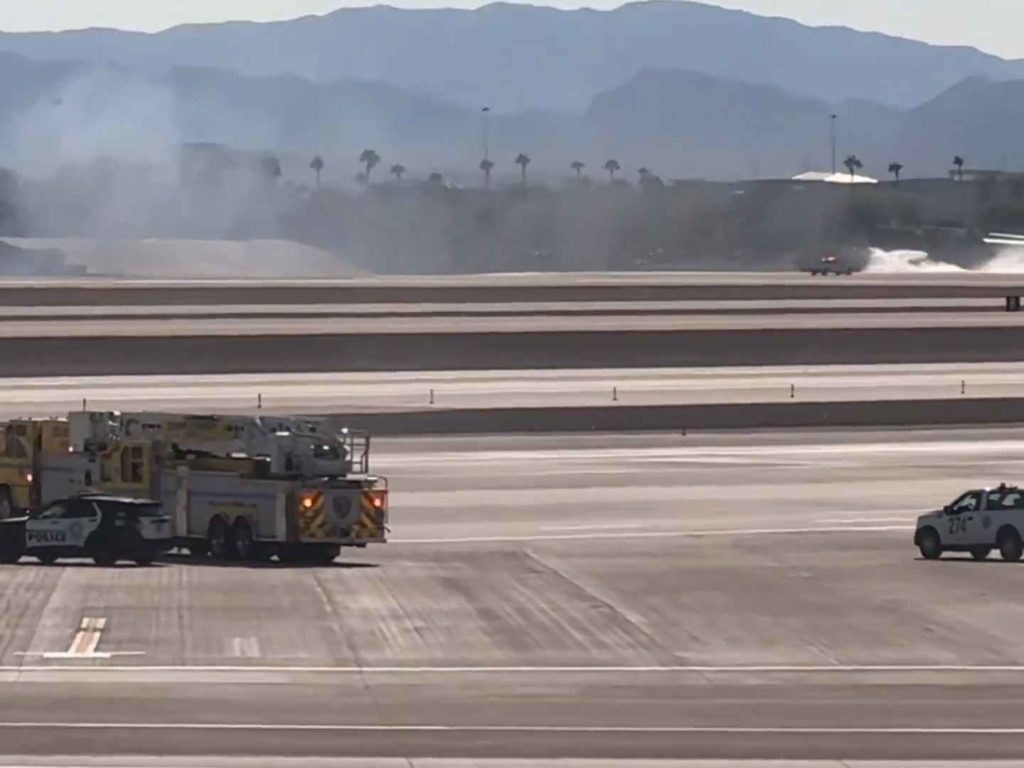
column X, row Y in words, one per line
column 993, row 25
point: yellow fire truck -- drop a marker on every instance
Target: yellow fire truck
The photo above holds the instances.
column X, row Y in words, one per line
column 236, row 487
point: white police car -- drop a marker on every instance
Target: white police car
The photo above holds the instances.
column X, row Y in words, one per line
column 103, row 527
column 977, row 522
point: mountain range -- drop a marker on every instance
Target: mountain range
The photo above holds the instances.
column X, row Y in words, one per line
column 519, row 57
column 682, row 88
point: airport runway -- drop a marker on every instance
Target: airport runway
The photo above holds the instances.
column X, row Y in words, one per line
column 400, row 762
column 102, row 327
column 615, row 596
column 428, row 762
column 341, row 393
column 126, row 355
column 495, row 309
column 428, row 325
column 590, row 287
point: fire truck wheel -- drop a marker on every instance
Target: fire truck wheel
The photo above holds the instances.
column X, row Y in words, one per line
column 217, row 539
column 243, row 544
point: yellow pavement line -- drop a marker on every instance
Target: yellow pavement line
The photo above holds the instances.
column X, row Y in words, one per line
column 88, row 637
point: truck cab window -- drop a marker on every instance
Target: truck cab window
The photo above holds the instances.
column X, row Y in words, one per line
column 53, row 512
column 80, row 508
column 969, row 502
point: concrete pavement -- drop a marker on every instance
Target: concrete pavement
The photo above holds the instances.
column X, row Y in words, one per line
column 233, row 327
column 365, row 762
column 126, row 355
column 613, row 596
column 631, row 286
column 498, row 309
column 400, row 762
column 326, row 393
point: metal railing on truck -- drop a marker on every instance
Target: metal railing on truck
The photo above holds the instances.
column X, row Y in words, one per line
column 357, row 443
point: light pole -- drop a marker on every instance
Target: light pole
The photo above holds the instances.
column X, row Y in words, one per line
column 486, row 120
column 833, row 133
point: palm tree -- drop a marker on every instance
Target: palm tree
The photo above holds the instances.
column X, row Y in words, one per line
column 317, row 164
column 522, row 161
column 853, row 164
column 370, row 159
column 959, row 163
column 271, row 167
column 487, row 166
column 577, row 166
column 613, row 167
column 398, row 170
column 896, row 169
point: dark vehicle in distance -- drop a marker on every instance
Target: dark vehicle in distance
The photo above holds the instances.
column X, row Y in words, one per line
column 832, row 264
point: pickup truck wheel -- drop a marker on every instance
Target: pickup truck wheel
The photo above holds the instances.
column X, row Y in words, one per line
column 980, row 553
column 9, row 554
column 930, row 544
column 1010, row 546
column 12, row 544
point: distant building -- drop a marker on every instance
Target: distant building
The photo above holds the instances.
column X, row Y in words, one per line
column 977, row 174
column 834, row 178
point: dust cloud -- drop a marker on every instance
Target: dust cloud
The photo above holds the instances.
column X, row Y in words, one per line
column 1007, row 262
column 898, row 262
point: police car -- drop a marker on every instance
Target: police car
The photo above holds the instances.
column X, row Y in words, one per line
column 103, row 527
column 977, row 522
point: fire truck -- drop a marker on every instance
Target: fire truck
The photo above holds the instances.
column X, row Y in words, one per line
column 236, row 487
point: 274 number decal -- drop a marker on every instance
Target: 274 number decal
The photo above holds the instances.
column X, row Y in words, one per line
column 957, row 525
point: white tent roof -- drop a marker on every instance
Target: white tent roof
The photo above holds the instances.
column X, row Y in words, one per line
column 834, row 178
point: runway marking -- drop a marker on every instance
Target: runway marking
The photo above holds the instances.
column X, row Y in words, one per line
column 592, row 729
column 84, row 644
column 784, row 669
column 595, row 527
column 88, row 637
column 244, row 647
column 653, row 534
column 803, row 454
column 902, row 518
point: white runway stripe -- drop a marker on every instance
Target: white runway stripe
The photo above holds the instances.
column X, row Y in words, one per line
column 654, row 534
column 703, row 669
column 539, row 729
column 327, row 392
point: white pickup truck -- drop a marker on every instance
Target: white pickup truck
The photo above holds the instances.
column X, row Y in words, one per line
column 978, row 521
